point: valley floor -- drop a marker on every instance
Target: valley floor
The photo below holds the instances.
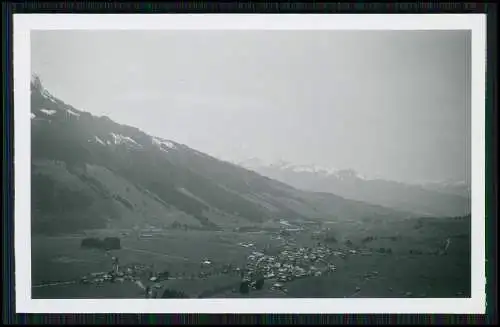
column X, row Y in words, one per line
column 412, row 268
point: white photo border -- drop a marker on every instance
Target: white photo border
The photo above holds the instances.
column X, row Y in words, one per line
column 23, row 24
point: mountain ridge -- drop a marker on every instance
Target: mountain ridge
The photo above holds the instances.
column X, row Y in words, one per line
column 254, row 163
column 91, row 172
column 439, row 199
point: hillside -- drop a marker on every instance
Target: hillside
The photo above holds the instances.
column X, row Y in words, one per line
column 433, row 199
column 91, row 172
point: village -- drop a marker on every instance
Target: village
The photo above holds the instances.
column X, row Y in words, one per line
column 264, row 267
column 288, row 265
column 297, row 253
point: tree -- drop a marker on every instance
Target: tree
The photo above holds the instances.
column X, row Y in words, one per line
column 173, row 294
column 244, row 287
column 259, row 283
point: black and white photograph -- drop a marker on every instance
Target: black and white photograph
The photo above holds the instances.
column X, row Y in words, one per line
column 254, row 163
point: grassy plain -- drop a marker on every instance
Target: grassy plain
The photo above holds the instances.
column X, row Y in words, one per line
column 413, row 268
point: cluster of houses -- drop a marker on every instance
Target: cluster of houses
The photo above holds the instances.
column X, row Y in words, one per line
column 289, row 264
column 120, row 274
column 281, row 267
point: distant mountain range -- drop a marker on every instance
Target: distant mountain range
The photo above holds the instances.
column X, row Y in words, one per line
column 434, row 199
column 91, row 172
column 457, row 188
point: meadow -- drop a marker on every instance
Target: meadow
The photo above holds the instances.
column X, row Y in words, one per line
column 181, row 253
column 414, row 267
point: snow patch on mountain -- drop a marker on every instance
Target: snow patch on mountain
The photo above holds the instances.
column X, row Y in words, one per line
column 48, row 111
column 121, row 139
column 48, row 96
column 98, row 140
column 164, row 145
column 348, row 174
column 33, row 116
column 311, row 169
column 71, row 112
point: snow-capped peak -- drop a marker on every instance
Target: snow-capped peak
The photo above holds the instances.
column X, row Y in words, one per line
column 164, row 145
column 282, row 165
column 36, row 84
column 35, row 81
column 311, row 169
column 285, row 165
column 348, row 174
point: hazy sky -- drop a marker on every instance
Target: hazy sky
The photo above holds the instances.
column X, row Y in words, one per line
column 393, row 104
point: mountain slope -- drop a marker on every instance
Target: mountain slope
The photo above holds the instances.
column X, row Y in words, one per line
column 430, row 199
column 454, row 188
column 91, row 172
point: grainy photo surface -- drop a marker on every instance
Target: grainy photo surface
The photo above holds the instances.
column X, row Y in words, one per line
column 249, row 167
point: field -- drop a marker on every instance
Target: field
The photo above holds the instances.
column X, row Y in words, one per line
column 413, row 268
column 181, row 253
column 397, row 276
